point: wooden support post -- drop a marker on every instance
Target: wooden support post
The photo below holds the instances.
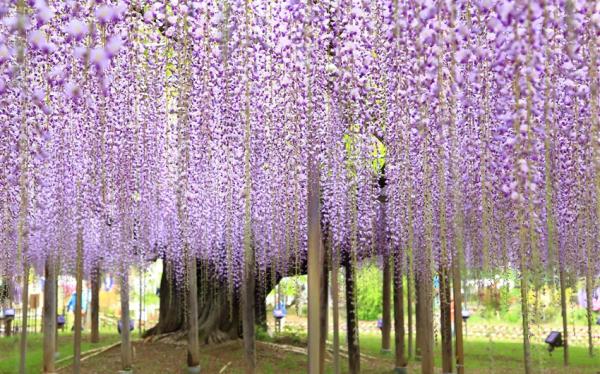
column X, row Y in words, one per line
column 409, row 309
column 563, row 312
column 323, row 314
column 352, row 320
column 589, row 300
column 126, row 359
column 49, row 316
column 399, row 333
column 425, row 296
column 78, row 302
column 445, row 319
column 95, row 305
column 314, row 267
column 24, row 317
column 382, row 243
column 458, row 322
column 248, row 288
column 386, row 301
column 335, row 299
column 193, row 357
column 418, row 314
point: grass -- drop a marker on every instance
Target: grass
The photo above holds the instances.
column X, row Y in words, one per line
column 9, row 350
column 503, row 356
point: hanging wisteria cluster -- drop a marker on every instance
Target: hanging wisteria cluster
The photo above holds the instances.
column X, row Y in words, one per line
column 129, row 123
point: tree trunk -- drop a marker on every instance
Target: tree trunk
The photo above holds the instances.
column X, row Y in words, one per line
column 218, row 311
column 260, row 304
column 95, row 305
column 352, row 320
column 400, row 362
column 170, row 318
column 386, row 314
column 445, row 320
column 49, row 316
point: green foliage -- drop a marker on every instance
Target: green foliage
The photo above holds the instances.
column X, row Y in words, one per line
column 262, row 334
column 369, row 292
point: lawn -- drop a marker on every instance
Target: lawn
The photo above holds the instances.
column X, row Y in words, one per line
column 505, row 356
column 9, row 350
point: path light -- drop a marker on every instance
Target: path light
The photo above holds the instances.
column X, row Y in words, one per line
column 9, row 314
column 60, row 321
column 554, row 340
column 279, row 314
column 466, row 314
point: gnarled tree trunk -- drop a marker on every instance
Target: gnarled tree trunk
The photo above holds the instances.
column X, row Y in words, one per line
column 218, row 309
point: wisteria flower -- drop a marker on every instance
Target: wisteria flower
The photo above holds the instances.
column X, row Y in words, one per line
column 56, row 75
column 149, row 16
column 18, row 23
column 72, row 90
column 44, row 14
column 106, row 14
column 76, row 30
column 37, row 40
column 113, row 46
column 4, row 53
column 99, row 58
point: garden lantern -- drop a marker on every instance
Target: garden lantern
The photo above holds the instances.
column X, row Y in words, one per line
column 60, row 321
column 554, row 340
column 465, row 315
column 279, row 314
column 9, row 314
column 120, row 326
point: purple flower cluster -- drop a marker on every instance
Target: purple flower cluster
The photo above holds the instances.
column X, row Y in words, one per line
column 136, row 123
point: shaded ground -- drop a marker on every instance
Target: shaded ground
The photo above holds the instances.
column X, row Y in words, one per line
column 164, row 358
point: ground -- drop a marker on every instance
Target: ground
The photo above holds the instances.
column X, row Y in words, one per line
column 483, row 356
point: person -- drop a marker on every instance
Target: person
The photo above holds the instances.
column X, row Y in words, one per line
column 71, row 308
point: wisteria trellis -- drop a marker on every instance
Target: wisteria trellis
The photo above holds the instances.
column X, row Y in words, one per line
column 487, row 112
